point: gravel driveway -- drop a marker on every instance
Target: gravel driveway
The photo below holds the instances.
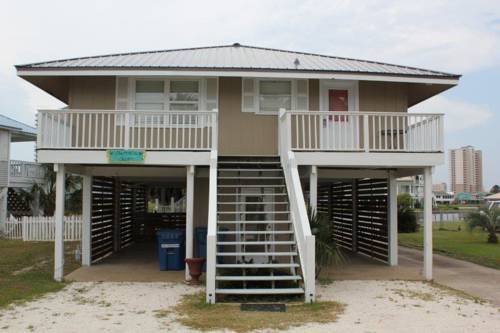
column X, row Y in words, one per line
column 371, row 306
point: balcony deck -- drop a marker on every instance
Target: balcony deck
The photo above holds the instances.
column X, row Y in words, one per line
column 343, row 139
column 87, row 136
column 24, row 174
column 363, row 139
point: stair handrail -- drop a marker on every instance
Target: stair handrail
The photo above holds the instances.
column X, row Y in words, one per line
column 212, row 229
column 298, row 212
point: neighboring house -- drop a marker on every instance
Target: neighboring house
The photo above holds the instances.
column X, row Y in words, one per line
column 443, row 198
column 440, row 187
column 493, row 200
column 245, row 131
column 15, row 174
column 413, row 185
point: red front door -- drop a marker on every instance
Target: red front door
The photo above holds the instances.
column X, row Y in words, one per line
column 338, row 101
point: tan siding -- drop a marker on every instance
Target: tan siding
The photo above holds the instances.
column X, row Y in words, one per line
column 313, row 94
column 243, row 133
column 92, row 93
column 383, row 96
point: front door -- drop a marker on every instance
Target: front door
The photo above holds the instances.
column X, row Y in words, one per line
column 338, row 131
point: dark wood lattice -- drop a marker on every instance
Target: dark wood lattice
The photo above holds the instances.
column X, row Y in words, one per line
column 102, row 226
column 372, row 219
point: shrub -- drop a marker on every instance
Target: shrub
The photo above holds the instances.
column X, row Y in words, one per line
column 407, row 219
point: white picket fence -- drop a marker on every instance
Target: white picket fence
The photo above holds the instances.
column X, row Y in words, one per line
column 41, row 228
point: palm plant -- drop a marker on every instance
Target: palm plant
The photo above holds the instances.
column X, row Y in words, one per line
column 47, row 192
column 328, row 252
column 487, row 218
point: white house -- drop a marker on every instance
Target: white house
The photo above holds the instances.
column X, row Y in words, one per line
column 245, row 131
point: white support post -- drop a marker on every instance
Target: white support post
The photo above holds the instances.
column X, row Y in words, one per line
column 427, row 224
column 393, row 219
column 313, row 189
column 86, row 220
column 212, row 229
column 4, row 193
column 189, row 215
column 59, row 223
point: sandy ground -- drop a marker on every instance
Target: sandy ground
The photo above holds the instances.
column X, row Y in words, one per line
column 371, row 306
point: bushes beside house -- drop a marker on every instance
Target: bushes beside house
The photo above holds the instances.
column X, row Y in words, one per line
column 407, row 219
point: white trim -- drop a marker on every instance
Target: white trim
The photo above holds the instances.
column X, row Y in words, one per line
column 273, row 74
column 162, row 158
column 362, row 159
column 352, row 88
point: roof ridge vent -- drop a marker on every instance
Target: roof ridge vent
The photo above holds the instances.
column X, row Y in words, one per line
column 296, row 62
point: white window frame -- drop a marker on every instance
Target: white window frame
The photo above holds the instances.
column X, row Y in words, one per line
column 166, row 100
column 292, row 96
column 256, row 82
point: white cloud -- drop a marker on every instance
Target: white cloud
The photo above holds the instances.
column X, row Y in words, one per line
column 459, row 115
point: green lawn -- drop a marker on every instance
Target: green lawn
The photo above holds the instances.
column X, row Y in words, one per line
column 26, row 269
column 455, row 240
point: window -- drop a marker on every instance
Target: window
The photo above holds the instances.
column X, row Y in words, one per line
column 149, row 95
column 274, row 95
column 184, row 95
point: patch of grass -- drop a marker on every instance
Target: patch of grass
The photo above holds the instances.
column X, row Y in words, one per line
column 457, row 293
column 416, row 295
column 455, row 240
column 192, row 311
column 34, row 264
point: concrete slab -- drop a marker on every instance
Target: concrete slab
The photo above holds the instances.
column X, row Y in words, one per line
column 137, row 263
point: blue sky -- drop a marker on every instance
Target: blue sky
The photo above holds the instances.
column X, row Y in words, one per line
column 456, row 36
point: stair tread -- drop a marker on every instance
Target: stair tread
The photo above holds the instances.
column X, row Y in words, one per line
column 258, row 277
column 260, row 232
column 252, row 212
column 256, row 242
column 261, row 291
column 255, row 222
column 253, row 203
column 287, row 265
column 250, row 185
column 253, row 195
column 247, row 254
column 248, row 169
column 251, row 177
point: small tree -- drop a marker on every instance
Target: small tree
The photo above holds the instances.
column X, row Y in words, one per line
column 487, row 218
column 495, row 189
column 328, row 252
column 407, row 219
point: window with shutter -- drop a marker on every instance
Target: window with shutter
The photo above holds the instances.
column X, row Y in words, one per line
column 121, row 93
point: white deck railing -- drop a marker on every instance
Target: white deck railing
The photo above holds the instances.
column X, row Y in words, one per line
column 115, row 129
column 298, row 212
column 23, row 171
column 364, row 131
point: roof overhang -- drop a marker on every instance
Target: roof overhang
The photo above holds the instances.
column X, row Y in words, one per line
column 27, row 73
column 18, row 135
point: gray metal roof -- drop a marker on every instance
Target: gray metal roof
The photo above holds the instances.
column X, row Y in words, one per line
column 234, row 57
column 20, row 131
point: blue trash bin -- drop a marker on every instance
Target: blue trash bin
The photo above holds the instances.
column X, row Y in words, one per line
column 201, row 245
column 171, row 249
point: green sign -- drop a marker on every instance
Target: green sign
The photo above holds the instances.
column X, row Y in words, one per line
column 125, row 155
